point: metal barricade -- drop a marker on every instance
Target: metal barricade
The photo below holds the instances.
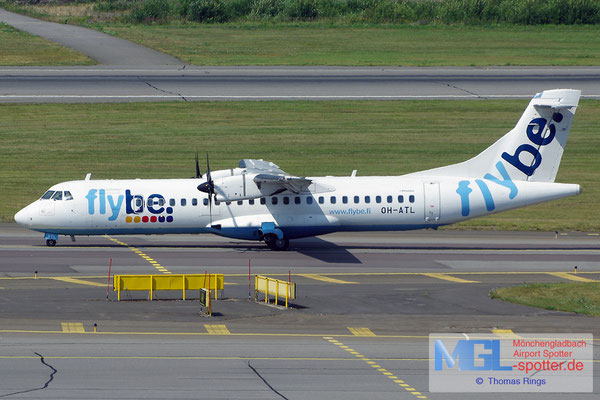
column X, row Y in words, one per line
column 183, row 282
column 274, row 287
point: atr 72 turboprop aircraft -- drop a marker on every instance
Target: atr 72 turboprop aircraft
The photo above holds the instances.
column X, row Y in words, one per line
column 259, row 201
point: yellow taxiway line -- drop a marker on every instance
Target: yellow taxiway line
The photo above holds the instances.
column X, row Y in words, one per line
column 320, row 277
column 447, row 277
column 140, row 253
column 571, row 277
column 378, row 367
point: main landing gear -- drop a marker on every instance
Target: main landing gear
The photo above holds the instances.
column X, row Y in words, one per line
column 275, row 243
column 273, row 236
column 50, row 242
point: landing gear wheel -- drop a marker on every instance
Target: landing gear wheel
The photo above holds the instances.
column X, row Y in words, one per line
column 276, row 244
column 51, row 242
column 281, row 245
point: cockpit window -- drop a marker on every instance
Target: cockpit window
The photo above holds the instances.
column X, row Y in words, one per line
column 68, row 195
column 57, row 195
column 48, row 194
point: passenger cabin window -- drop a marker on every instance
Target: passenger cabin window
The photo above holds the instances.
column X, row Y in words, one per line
column 356, row 199
column 251, row 202
column 297, row 200
column 240, row 202
column 345, row 199
column 273, row 200
column 57, row 196
column 332, row 199
column 411, row 198
column 194, row 202
column 172, row 202
column 48, row 195
column 377, row 199
column 183, row 202
column 321, row 199
column 227, row 203
column 286, row 200
column 217, row 202
column 309, row 200
column 68, row 195
column 205, row 202
column 400, row 199
column 367, row 199
column 390, row 199
column 263, row 200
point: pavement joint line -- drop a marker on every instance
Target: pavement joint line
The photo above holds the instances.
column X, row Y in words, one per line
column 139, row 253
column 380, row 369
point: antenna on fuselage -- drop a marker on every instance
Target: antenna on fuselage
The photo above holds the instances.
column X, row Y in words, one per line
column 198, row 174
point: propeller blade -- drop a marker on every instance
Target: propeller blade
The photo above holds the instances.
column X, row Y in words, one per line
column 210, row 188
column 198, row 174
column 208, row 178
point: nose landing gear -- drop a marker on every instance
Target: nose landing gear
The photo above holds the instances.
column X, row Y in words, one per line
column 51, row 239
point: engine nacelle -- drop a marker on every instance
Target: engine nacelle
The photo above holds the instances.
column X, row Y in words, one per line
column 237, row 187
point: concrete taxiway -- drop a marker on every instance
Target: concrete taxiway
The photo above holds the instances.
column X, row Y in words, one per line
column 377, row 295
column 101, row 47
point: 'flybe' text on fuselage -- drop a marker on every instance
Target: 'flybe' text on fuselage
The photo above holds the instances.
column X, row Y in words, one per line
column 99, row 202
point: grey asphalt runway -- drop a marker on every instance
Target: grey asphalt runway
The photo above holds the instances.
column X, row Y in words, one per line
column 129, row 72
column 122, row 84
column 399, row 286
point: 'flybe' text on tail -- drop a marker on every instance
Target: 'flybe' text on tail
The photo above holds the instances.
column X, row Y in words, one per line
column 532, row 150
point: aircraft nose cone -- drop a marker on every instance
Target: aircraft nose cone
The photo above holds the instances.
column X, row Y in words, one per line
column 22, row 217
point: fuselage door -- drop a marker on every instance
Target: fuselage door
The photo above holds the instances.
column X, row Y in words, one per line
column 431, row 192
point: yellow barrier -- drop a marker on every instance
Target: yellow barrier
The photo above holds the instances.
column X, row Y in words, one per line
column 181, row 282
column 274, row 287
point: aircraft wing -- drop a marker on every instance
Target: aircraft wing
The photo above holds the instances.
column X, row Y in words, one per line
column 260, row 166
column 283, row 182
column 271, row 178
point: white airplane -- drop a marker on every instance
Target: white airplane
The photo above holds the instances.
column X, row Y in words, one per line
column 259, row 201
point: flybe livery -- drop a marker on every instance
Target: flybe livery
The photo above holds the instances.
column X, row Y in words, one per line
column 259, row 201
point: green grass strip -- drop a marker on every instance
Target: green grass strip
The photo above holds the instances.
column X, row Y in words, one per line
column 322, row 44
column 44, row 144
column 581, row 298
column 19, row 48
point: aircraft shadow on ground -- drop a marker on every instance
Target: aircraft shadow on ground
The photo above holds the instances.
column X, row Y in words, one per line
column 325, row 251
